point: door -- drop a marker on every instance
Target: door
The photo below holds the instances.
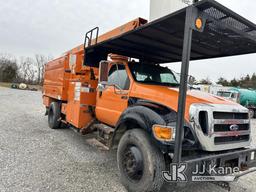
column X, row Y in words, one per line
column 113, row 100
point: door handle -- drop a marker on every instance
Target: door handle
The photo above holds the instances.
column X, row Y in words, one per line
column 124, row 97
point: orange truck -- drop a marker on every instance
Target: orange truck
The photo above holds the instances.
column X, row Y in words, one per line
column 114, row 85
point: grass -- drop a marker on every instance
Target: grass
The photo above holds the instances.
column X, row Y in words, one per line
column 2, row 84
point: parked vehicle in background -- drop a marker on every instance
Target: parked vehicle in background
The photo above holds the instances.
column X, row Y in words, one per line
column 245, row 97
column 212, row 89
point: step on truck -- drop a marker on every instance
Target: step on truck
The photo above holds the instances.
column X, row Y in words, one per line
column 114, row 85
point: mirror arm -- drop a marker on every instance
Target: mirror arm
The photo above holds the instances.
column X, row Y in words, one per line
column 116, row 86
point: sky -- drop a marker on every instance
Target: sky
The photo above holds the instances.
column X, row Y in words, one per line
column 51, row 27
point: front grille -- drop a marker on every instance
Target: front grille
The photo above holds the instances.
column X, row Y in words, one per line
column 231, row 139
column 230, row 115
column 221, row 127
column 226, row 127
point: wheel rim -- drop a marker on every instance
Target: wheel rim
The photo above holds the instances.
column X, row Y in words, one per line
column 132, row 163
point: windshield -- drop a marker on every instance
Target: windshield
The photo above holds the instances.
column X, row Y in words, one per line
column 153, row 74
column 224, row 94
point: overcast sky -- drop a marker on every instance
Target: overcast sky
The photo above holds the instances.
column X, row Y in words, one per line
column 51, row 27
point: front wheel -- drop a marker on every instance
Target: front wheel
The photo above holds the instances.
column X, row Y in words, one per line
column 140, row 162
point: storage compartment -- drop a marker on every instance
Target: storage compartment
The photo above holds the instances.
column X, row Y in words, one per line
column 81, row 103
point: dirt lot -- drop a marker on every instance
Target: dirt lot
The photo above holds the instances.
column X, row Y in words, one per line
column 35, row 158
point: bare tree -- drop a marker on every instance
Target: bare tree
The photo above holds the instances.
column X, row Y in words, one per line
column 41, row 60
column 27, row 69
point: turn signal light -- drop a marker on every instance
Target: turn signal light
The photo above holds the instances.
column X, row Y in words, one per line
column 163, row 132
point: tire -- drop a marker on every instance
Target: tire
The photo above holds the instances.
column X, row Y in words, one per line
column 251, row 113
column 54, row 116
column 145, row 175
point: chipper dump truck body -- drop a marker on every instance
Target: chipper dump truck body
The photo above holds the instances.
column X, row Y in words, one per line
column 144, row 109
column 69, row 81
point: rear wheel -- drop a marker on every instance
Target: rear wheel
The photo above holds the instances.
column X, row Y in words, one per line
column 140, row 162
column 54, row 115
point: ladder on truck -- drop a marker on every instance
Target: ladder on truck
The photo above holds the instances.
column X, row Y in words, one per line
column 89, row 36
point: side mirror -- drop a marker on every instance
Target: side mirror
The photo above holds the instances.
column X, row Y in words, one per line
column 103, row 76
column 101, row 87
column 191, row 80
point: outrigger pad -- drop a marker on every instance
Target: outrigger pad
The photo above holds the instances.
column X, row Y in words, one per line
column 225, row 34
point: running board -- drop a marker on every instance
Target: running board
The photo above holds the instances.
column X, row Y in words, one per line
column 104, row 134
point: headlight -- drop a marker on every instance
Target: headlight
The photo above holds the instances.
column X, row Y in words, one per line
column 164, row 133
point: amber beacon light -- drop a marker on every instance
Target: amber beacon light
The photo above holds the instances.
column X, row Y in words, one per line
column 199, row 23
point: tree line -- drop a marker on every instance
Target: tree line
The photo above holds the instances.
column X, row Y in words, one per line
column 28, row 70
column 247, row 81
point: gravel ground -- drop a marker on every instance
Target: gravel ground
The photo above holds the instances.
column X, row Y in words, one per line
column 36, row 158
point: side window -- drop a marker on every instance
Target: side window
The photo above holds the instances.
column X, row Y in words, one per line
column 167, row 78
column 118, row 76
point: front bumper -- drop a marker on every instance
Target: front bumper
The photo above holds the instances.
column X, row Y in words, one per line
column 245, row 160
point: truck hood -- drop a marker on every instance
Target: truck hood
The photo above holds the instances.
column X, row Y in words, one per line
column 169, row 96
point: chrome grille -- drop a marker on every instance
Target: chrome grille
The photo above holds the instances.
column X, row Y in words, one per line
column 223, row 123
column 228, row 126
column 231, row 139
column 230, row 115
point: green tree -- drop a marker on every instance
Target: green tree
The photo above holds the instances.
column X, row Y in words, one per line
column 234, row 83
column 206, row 81
column 223, row 81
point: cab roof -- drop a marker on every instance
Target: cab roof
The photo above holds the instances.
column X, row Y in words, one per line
column 161, row 41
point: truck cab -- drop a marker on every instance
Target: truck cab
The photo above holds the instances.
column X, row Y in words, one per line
column 230, row 95
column 130, row 87
column 121, row 87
